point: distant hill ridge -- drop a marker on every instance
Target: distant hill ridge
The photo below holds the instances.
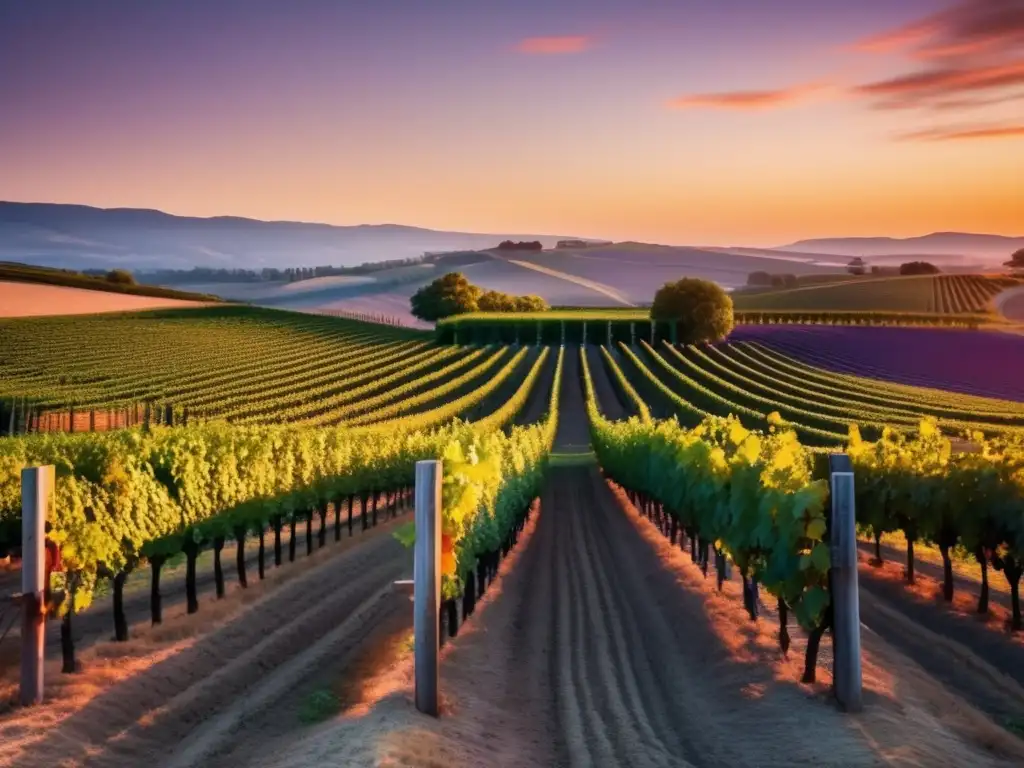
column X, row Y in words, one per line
column 964, row 244
column 85, row 237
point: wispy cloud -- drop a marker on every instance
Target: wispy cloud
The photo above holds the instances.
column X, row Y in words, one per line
column 924, row 87
column 973, row 47
column 766, row 99
column 548, row 46
column 963, row 134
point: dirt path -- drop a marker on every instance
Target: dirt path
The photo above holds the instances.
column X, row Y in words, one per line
column 573, row 426
column 537, row 403
column 607, row 394
column 96, row 624
column 183, row 705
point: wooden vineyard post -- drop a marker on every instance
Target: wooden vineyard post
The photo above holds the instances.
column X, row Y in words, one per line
column 609, row 334
column 563, row 333
column 584, row 333
column 538, row 332
column 36, row 501
column 653, row 324
column 427, row 584
column 632, row 334
column 845, row 595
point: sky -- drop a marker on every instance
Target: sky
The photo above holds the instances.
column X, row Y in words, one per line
column 707, row 122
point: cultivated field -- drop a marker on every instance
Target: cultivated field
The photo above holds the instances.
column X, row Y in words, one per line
column 973, row 362
column 240, row 543
column 948, row 294
column 35, row 300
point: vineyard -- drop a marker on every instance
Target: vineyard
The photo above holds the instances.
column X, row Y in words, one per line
column 260, row 433
column 243, row 365
column 945, row 294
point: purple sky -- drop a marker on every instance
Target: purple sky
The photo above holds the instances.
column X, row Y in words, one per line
column 733, row 121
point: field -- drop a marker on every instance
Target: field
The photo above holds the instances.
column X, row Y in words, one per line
column 30, row 274
column 947, row 294
column 245, row 567
column 973, row 362
column 23, row 299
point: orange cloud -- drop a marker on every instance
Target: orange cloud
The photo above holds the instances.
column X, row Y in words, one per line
column 745, row 99
column 895, row 39
column 923, row 87
column 547, row 46
column 961, row 134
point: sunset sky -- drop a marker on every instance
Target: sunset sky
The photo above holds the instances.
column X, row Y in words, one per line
column 702, row 122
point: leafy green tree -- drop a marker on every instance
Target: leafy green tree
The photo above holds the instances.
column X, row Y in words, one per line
column 496, row 301
column 759, row 278
column 451, row 294
column 530, row 303
column 701, row 310
column 856, row 266
column 120, row 277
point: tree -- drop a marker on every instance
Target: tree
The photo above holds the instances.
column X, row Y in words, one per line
column 856, row 266
column 701, row 310
column 1016, row 260
column 919, row 268
column 759, row 279
column 530, row 303
column 451, row 294
column 496, row 301
column 120, row 277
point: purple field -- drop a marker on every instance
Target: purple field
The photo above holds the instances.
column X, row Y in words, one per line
column 982, row 363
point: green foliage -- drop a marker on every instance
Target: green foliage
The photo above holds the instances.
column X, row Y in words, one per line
column 701, row 310
column 1016, row 259
column 451, row 294
column 750, row 493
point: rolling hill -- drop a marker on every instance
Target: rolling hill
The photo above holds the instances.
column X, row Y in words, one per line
column 989, row 248
column 82, row 237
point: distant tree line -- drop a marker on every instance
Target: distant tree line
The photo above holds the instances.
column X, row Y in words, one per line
column 294, row 274
column 523, row 245
column 453, row 294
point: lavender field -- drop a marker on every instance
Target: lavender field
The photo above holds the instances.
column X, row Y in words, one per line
column 989, row 364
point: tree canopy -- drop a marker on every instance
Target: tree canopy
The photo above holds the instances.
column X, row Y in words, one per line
column 857, row 266
column 919, row 268
column 453, row 294
column 702, row 311
column 120, row 277
column 1016, row 260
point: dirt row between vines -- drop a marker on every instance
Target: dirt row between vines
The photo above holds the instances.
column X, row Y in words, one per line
column 96, row 624
column 602, row 644
column 175, row 693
